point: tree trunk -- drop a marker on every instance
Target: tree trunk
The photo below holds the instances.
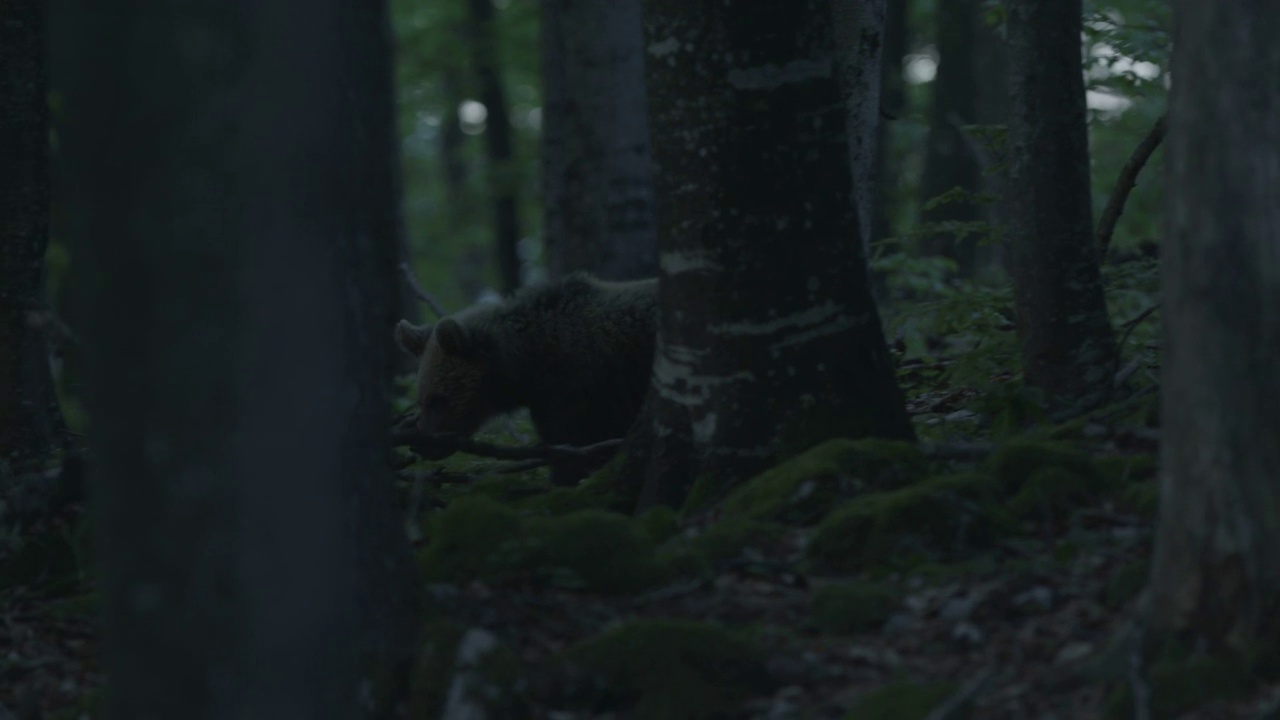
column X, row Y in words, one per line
column 501, row 171
column 859, row 37
column 1068, row 349
column 949, row 160
column 769, row 339
column 228, row 198
column 1215, row 576
column 597, row 171
column 991, row 107
column 893, row 98
column 30, row 422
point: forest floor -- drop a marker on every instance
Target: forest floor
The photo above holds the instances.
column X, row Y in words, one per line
column 668, row 617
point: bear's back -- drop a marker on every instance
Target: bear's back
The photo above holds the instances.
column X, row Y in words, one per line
column 584, row 354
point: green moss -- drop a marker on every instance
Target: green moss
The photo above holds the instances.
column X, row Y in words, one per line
column 852, row 607
column 1120, row 470
column 1126, row 583
column 592, row 550
column 804, row 487
column 1181, row 684
column 661, row 523
column 429, row 684
column 1141, row 498
column 900, row 701
column 669, row 669
column 1015, row 462
column 937, row 517
column 493, row 672
column 730, row 536
column 1051, row 491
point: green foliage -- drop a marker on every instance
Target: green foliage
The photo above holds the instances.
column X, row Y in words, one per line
column 804, row 487
column 852, row 607
column 900, row 701
column 590, row 550
column 670, row 669
column 942, row 517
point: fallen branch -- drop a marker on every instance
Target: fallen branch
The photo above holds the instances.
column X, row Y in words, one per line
column 545, row 453
column 1125, row 183
column 421, row 294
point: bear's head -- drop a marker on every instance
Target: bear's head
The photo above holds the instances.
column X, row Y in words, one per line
column 456, row 380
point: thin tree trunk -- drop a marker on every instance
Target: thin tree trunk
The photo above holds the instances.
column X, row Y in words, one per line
column 949, row 160
column 769, row 338
column 1068, row 349
column 893, row 99
column 228, row 197
column 1215, row 577
column 31, row 425
column 859, row 39
column 501, row 175
column 597, row 171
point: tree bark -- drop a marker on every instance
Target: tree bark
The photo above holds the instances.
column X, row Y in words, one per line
column 497, row 134
column 949, row 161
column 769, row 340
column 1068, row 349
column 597, row 170
column 228, row 200
column 31, row 426
column 1214, row 575
column 893, row 98
column 859, row 27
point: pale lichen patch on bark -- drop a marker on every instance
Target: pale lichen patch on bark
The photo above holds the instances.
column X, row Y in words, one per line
column 768, row 76
column 662, row 48
column 674, row 263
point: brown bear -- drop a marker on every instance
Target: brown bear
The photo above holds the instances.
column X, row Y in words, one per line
column 578, row 352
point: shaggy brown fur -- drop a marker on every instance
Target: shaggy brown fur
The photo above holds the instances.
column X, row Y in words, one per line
column 577, row 352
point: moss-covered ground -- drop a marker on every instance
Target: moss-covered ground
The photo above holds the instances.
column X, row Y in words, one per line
column 858, row 580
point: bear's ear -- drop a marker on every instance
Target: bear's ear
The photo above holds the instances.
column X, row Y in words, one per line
column 413, row 338
column 453, row 338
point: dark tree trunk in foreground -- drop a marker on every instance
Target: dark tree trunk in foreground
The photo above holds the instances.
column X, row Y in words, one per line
column 949, row 160
column 497, row 135
column 769, row 340
column 227, row 189
column 859, row 40
column 1068, row 349
column 1215, row 577
column 30, row 421
column 893, row 99
column 597, row 172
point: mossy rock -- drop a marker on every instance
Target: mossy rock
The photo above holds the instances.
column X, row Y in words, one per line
column 590, row 550
column 662, row 523
column 852, row 606
column 1014, row 463
column 54, row 561
column 938, row 518
column 1121, row 470
column 492, row 670
column 1052, row 491
column 900, row 701
column 507, row 489
column 730, row 536
column 801, row 489
column 667, row 670
column 1181, row 684
column 1126, row 583
column 1141, row 498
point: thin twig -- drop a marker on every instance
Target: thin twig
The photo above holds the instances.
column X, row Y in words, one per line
column 1125, row 182
column 421, row 294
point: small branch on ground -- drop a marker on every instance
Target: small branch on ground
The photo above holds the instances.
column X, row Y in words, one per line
column 1125, row 183
column 543, row 453
column 421, row 294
